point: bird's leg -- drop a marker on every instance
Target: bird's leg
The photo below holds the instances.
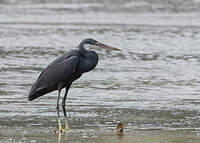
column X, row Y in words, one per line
column 64, row 110
column 60, row 129
column 65, row 115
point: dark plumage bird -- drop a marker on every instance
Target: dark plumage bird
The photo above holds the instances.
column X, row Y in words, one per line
column 64, row 70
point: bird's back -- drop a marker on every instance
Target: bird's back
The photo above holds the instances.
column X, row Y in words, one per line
column 57, row 71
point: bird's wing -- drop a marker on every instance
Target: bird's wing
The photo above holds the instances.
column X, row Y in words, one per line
column 52, row 76
column 62, row 58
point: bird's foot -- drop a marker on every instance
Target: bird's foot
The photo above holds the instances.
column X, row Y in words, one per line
column 60, row 129
column 67, row 129
column 66, row 125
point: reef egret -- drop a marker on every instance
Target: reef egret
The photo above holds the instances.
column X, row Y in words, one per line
column 64, row 70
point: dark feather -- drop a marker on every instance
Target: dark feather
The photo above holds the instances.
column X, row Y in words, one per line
column 66, row 69
column 55, row 73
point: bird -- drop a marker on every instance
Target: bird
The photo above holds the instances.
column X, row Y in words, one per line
column 64, row 70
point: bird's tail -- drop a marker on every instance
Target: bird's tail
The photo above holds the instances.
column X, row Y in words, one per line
column 35, row 93
column 31, row 93
column 31, row 96
column 27, row 92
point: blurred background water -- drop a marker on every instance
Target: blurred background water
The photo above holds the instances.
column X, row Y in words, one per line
column 153, row 84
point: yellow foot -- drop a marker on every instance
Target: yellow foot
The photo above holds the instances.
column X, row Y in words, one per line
column 67, row 128
column 66, row 125
column 60, row 129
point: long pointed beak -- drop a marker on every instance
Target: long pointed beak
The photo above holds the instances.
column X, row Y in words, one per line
column 107, row 46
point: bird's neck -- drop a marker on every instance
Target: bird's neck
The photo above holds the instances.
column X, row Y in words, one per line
column 89, row 61
column 82, row 49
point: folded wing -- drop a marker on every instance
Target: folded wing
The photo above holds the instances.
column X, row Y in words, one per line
column 54, row 74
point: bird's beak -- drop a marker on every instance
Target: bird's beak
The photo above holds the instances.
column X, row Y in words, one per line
column 101, row 45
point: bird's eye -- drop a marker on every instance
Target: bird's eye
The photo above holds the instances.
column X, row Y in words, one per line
column 92, row 42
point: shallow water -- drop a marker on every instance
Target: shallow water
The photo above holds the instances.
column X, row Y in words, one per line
column 152, row 84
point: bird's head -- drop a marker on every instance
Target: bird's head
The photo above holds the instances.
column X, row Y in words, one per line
column 91, row 44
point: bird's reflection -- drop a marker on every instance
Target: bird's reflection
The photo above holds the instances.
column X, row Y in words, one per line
column 59, row 137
